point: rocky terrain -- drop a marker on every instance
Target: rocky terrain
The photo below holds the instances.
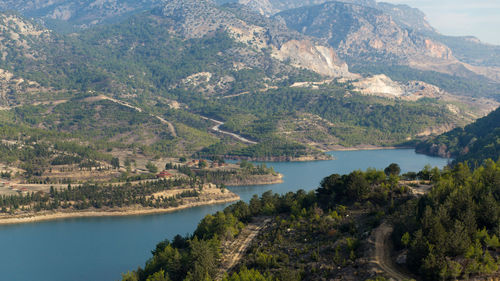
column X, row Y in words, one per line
column 282, row 75
column 195, row 19
column 358, row 31
column 383, row 86
column 382, row 33
column 69, row 15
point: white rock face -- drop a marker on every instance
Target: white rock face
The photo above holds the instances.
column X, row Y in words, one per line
column 379, row 85
column 320, row 59
column 383, row 86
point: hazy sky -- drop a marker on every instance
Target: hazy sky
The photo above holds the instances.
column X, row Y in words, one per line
column 480, row 18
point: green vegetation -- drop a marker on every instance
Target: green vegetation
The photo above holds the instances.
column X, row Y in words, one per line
column 357, row 118
column 224, row 176
column 453, row 231
column 141, row 61
column 272, row 148
column 99, row 196
column 308, row 229
column 474, row 143
column 36, row 150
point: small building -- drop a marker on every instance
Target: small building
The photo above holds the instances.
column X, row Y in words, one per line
column 164, row 175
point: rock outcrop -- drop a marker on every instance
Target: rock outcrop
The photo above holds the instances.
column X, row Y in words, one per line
column 78, row 13
column 320, row 59
column 364, row 33
column 381, row 85
column 197, row 18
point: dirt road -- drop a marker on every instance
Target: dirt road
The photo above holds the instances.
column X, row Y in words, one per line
column 383, row 257
column 233, row 252
column 217, row 129
column 171, row 127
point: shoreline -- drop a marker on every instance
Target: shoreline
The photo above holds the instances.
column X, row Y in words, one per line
column 258, row 180
column 370, row 147
column 306, row 158
column 311, row 158
column 117, row 212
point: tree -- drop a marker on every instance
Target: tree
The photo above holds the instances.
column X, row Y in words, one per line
column 411, row 176
column 205, row 257
column 115, row 162
column 405, row 240
column 392, row 169
column 357, row 187
column 158, row 276
column 244, row 164
column 130, row 276
column 245, row 274
column 151, row 167
column 202, row 164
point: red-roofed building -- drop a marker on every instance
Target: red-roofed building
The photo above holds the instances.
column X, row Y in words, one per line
column 164, row 175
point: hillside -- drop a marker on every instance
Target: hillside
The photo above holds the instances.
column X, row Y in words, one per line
column 378, row 35
column 180, row 62
column 169, row 67
column 474, row 143
column 72, row 15
column 361, row 226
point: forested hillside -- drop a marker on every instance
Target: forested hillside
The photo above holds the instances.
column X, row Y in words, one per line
column 145, row 78
column 182, row 75
column 473, row 143
column 453, row 232
column 332, row 233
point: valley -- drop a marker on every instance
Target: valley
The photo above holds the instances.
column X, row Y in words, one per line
column 126, row 123
column 138, row 235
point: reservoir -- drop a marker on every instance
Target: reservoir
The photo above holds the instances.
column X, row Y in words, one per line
column 102, row 248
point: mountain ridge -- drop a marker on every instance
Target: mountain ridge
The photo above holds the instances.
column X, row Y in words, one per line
column 186, row 59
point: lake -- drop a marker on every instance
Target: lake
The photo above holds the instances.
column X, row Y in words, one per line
column 103, row 248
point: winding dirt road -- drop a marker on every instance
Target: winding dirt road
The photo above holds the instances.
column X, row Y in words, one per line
column 217, row 129
column 171, row 127
column 383, row 247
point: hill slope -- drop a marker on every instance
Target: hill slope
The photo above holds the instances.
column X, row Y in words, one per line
column 344, row 231
column 474, row 143
column 379, row 35
column 189, row 59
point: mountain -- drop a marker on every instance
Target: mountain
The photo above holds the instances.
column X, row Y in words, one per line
column 71, row 15
column 198, row 18
column 395, row 40
column 361, row 32
column 474, row 143
column 186, row 60
column 402, row 45
column 365, row 34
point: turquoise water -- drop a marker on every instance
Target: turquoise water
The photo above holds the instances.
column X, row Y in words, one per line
column 103, row 248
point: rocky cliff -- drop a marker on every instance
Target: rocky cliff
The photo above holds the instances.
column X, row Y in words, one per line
column 195, row 19
column 363, row 33
column 386, row 34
